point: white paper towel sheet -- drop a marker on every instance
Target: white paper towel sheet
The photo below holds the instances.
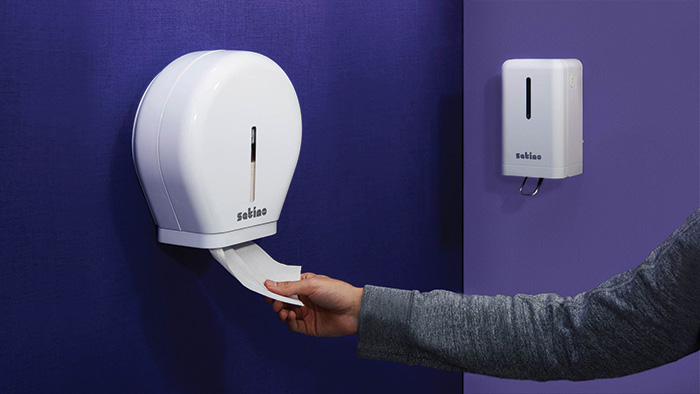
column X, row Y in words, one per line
column 251, row 266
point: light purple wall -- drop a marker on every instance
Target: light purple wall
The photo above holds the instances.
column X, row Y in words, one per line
column 641, row 159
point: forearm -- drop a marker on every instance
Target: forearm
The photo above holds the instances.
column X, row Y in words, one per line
column 637, row 320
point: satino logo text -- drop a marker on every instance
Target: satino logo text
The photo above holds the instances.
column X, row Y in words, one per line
column 528, row 156
column 252, row 213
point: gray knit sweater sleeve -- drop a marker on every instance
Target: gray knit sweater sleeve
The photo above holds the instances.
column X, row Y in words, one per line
column 637, row 320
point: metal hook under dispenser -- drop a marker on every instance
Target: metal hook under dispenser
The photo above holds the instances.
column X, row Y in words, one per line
column 537, row 188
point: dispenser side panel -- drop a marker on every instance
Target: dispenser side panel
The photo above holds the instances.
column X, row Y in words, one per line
column 181, row 113
column 574, row 146
column 145, row 139
column 557, row 110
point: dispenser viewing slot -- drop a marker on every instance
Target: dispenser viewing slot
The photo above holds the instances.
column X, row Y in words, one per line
column 253, row 142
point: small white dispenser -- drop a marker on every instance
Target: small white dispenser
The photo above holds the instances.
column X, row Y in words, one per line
column 215, row 143
column 542, row 119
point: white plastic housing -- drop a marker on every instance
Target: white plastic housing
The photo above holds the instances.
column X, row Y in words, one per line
column 542, row 118
column 193, row 150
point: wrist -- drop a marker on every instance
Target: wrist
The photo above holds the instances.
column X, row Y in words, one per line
column 358, row 292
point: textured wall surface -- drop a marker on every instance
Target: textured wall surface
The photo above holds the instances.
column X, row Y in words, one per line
column 92, row 303
column 641, row 159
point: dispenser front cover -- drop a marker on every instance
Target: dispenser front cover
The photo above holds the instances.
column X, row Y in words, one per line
column 216, row 141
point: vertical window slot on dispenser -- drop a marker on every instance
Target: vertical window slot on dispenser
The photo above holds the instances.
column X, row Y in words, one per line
column 253, row 142
column 528, row 98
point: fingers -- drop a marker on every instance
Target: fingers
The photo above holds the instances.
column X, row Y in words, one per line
column 277, row 306
column 296, row 324
column 293, row 317
column 292, row 322
column 305, row 286
column 282, row 310
column 283, row 314
column 307, row 275
column 270, row 283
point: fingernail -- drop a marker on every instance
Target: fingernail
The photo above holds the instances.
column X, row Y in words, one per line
column 270, row 283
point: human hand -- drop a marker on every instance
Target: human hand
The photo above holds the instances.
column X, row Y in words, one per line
column 331, row 307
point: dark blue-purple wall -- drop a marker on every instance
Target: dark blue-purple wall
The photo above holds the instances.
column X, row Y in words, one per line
column 90, row 302
column 641, row 159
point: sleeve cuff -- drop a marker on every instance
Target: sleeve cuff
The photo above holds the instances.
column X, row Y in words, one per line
column 384, row 325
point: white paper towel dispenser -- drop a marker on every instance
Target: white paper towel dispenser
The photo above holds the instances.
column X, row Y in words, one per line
column 542, row 118
column 215, row 143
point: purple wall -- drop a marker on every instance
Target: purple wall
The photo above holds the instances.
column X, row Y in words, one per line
column 641, row 159
column 90, row 302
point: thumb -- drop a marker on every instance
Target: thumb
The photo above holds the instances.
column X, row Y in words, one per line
column 299, row 287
